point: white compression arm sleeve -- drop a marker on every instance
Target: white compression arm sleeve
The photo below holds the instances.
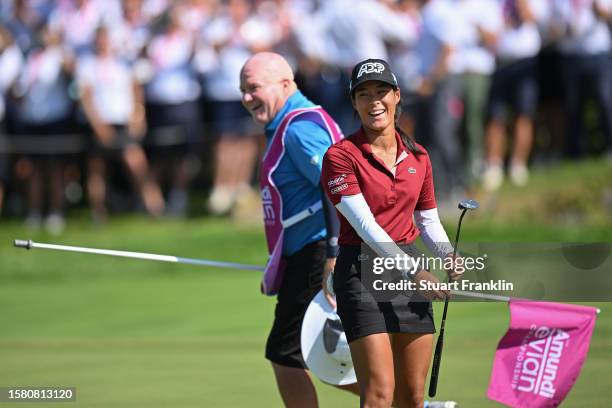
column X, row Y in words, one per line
column 432, row 232
column 357, row 212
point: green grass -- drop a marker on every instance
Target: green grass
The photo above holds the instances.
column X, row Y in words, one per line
column 131, row 333
column 570, row 194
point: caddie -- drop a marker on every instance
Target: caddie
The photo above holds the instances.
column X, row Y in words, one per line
column 301, row 224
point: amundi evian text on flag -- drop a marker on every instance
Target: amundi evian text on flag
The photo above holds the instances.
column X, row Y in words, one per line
column 540, row 357
column 538, row 360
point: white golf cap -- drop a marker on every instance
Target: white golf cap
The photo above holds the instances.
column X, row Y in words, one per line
column 324, row 346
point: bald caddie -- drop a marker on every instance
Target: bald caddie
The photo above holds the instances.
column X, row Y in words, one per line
column 301, row 224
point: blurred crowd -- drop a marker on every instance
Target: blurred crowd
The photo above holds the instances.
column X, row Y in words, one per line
column 145, row 94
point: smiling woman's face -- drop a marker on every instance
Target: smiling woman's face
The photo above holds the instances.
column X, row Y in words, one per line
column 375, row 103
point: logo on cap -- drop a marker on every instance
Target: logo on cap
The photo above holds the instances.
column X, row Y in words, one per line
column 370, row 67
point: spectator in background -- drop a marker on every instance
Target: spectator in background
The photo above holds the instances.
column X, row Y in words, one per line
column 338, row 34
column 154, row 9
column 23, row 21
column 438, row 108
column 132, row 33
column 514, row 90
column 11, row 61
column 44, row 79
column 78, row 20
column 234, row 34
column 194, row 14
column 584, row 44
column 479, row 23
column 406, row 60
column 38, row 11
column 113, row 104
column 173, row 108
column 281, row 16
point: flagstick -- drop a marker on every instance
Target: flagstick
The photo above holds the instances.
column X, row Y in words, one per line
column 28, row 244
column 481, row 295
column 488, row 296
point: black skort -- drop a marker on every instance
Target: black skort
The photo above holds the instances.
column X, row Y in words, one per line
column 363, row 314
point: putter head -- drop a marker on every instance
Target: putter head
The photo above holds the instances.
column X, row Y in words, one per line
column 468, row 205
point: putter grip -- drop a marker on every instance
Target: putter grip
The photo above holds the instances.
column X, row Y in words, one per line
column 435, row 369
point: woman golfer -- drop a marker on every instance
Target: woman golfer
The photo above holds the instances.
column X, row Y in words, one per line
column 378, row 178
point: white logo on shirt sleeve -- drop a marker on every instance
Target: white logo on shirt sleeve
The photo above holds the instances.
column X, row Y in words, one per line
column 314, row 160
column 338, row 189
column 336, row 181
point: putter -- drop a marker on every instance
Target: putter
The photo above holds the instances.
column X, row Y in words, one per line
column 464, row 206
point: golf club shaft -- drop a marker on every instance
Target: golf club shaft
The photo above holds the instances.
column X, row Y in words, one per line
column 28, row 244
column 435, row 368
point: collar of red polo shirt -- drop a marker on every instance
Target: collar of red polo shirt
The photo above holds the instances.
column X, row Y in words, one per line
column 393, row 194
column 365, row 146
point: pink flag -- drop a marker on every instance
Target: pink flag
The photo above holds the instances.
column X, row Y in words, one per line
column 539, row 359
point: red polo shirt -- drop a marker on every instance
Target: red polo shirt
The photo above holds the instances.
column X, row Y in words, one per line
column 350, row 168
